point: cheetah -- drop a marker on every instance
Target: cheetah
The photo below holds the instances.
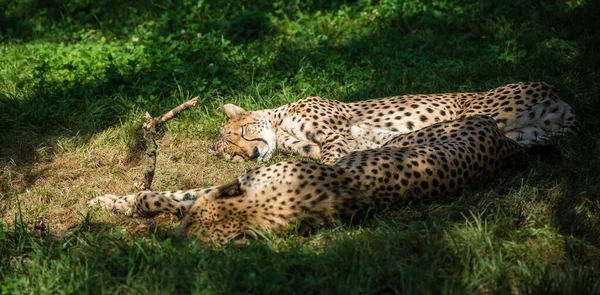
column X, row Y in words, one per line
column 436, row 161
column 324, row 129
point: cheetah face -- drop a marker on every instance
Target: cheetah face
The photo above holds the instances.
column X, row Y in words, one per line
column 244, row 136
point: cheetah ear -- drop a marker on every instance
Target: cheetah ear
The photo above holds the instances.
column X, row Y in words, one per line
column 232, row 111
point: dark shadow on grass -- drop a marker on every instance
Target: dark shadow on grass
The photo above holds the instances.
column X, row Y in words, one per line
column 239, row 20
column 440, row 50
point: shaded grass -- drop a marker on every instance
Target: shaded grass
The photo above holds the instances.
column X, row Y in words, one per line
column 76, row 77
column 507, row 236
column 422, row 250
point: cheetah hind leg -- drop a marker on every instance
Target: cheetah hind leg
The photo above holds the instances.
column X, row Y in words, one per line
column 149, row 203
column 221, row 218
column 533, row 126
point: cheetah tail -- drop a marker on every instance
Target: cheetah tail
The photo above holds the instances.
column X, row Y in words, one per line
column 536, row 124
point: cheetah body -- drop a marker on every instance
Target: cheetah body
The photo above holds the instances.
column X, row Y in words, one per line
column 438, row 160
column 325, row 129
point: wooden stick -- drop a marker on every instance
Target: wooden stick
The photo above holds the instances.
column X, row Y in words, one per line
column 149, row 127
column 151, row 148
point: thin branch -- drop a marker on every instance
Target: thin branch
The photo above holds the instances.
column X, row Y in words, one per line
column 170, row 114
column 149, row 127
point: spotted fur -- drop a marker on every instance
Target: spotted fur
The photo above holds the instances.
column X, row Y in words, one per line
column 439, row 160
column 320, row 128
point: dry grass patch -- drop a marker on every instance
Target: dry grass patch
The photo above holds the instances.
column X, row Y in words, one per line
column 57, row 189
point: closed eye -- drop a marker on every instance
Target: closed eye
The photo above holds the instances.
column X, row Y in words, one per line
column 243, row 136
column 236, row 154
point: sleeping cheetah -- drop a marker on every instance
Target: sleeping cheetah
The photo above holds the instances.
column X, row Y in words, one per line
column 439, row 160
column 319, row 128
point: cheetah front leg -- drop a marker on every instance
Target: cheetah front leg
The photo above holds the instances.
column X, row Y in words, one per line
column 289, row 144
column 148, row 203
column 334, row 147
column 333, row 140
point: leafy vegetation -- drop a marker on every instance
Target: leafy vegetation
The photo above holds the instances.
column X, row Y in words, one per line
column 76, row 77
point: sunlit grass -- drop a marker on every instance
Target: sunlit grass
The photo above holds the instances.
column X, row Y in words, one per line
column 76, row 78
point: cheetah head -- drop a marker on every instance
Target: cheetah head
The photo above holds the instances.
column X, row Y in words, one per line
column 245, row 136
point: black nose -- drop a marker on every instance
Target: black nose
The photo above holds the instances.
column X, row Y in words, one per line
column 255, row 153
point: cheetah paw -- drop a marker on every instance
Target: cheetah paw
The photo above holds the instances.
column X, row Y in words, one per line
column 115, row 204
column 105, row 201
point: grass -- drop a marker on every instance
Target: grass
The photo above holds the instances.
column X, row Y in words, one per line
column 77, row 76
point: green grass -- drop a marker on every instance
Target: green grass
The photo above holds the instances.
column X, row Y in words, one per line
column 77, row 76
